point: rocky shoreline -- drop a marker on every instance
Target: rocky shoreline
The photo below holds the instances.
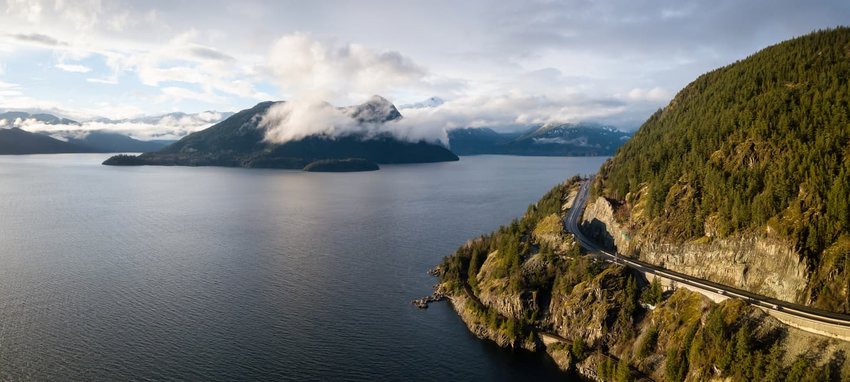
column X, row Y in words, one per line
column 422, row 303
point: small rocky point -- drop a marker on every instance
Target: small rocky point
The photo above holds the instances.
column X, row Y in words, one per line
column 422, row 303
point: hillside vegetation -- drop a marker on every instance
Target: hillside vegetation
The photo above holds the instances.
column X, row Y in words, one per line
column 528, row 285
column 759, row 147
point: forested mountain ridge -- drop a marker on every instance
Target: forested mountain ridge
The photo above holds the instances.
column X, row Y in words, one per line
column 759, row 148
column 568, row 139
column 16, row 141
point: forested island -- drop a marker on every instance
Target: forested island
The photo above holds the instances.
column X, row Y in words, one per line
column 241, row 141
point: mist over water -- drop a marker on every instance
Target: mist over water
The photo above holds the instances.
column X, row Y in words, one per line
column 110, row 273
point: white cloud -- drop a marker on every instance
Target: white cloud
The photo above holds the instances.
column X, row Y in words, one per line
column 302, row 65
column 305, row 117
column 555, row 56
column 105, row 81
column 166, row 127
column 73, row 68
column 294, row 120
column 177, row 94
column 184, row 61
column 654, row 94
column 25, row 9
column 10, row 93
column 510, row 110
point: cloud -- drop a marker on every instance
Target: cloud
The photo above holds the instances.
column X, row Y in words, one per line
column 177, row 94
column 654, row 94
column 169, row 126
column 105, row 81
column 564, row 54
column 295, row 120
column 508, row 111
column 204, row 52
column 9, row 89
column 304, row 117
column 302, row 65
column 183, row 61
column 37, row 38
column 73, row 68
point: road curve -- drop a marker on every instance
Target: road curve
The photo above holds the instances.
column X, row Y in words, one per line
column 572, row 224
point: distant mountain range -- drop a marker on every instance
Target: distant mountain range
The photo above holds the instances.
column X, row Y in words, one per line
column 14, row 139
column 15, row 118
column 209, row 116
column 240, row 141
column 582, row 139
column 428, row 103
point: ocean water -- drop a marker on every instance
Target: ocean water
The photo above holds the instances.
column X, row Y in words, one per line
column 155, row 273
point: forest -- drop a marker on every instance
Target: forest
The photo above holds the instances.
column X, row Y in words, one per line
column 761, row 146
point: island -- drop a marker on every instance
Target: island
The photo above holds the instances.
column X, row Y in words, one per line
column 244, row 140
column 341, row 165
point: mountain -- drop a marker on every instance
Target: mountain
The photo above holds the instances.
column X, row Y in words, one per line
column 475, row 141
column 15, row 141
column 18, row 141
column 110, row 142
column 240, row 141
column 428, row 103
column 744, row 178
column 97, row 141
column 205, row 116
column 18, row 118
column 582, row 139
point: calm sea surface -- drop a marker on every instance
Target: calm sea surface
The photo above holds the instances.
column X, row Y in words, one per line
column 116, row 273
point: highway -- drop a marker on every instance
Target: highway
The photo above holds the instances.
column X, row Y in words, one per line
column 572, row 224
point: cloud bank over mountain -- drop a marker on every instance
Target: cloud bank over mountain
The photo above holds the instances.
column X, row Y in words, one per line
column 493, row 63
column 165, row 127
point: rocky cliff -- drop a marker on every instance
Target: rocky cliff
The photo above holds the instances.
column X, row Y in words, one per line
column 528, row 286
column 761, row 264
column 744, row 177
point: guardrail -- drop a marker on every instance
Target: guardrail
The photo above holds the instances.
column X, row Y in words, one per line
column 812, row 320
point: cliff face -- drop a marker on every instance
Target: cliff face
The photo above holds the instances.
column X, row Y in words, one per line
column 482, row 327
column 528, row 286
column 587, row 311
column 744, row 177
column 495, row 292
column 595, row 328
column 762, row 265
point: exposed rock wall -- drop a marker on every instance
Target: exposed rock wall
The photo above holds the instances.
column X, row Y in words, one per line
column 475, row 324
column 598, row 222
column 586, row 312
column 495, row 293
column 760, row 265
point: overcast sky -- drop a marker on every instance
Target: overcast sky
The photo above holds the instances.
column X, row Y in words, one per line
column 494, row 62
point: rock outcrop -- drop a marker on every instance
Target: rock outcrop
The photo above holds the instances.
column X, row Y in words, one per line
column 593, row 318
column 759, row 264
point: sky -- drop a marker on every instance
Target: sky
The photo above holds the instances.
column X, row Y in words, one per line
column 495, row 63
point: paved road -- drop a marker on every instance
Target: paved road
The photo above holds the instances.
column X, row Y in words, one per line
column 573, row 219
